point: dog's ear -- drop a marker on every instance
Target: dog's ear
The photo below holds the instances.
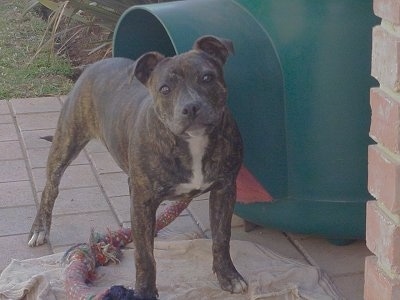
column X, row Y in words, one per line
column 216, row 47
column 145, row 65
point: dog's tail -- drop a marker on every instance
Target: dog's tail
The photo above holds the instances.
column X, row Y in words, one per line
column 48, row 138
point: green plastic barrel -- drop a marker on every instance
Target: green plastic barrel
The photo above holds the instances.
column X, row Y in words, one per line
column 298, row 87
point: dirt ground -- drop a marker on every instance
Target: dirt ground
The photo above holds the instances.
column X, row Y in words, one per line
column 78, row 51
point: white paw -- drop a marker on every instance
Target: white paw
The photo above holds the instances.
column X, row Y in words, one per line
column 37, row 239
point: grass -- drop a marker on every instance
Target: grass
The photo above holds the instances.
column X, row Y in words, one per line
column 20, row 36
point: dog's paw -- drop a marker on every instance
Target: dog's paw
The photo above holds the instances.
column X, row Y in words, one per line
column 234, row 285
column 37, row 238
column 232, row 282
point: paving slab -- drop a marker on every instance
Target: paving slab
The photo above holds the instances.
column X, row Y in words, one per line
column 8, row 132
column 74, row 176
column 16, row 193
column 115, row 184
column 38, row 157
column 35, row 105
column 11, row 150
column 121, row 206
column 6, row 119
column 16, row 220
column 4, row 108
column 13, row 170
column 80, row 200
column 75, row 228
column 104, row 163
column 95, row 146
column 32, row 138
column 63, row 98
column 36, row 121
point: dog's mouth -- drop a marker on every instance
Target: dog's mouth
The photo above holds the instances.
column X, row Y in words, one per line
column 193, row 130
column 196, row 128
column 200, row 125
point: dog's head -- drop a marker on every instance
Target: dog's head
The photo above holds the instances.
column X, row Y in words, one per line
column 188, row 90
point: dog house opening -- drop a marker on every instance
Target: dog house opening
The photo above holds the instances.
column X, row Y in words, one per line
column 139, row 31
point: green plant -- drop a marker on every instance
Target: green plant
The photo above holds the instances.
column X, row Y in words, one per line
column 73, row 19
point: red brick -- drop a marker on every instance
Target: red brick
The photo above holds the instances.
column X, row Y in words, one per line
column 379, row 285
column 385, row 120
column 384, row 177
column 383, row 237
column 388, row 10
column 385, row 66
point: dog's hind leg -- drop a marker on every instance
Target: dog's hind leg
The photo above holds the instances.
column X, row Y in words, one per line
column 68, row 141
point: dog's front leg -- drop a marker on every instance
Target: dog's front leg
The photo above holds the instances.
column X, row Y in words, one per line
column 222, row 202
column 143, row 218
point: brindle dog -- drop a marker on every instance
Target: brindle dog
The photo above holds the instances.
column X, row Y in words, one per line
column 166, row 122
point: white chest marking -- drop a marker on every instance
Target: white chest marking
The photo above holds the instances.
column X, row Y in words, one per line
column 197, row 147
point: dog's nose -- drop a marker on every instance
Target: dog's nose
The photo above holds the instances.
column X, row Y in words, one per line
column 191, row 110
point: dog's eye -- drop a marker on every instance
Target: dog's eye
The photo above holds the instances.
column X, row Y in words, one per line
column 165, row 90
column 207, row 78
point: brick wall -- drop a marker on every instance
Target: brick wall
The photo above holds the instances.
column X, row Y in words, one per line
column 382, row 271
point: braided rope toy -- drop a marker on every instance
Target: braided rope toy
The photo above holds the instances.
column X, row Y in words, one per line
column 81, row 260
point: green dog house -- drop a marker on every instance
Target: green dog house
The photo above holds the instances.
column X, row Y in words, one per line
column 299, row 89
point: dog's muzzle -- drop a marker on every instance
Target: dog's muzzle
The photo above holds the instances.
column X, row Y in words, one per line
column 195, row 118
